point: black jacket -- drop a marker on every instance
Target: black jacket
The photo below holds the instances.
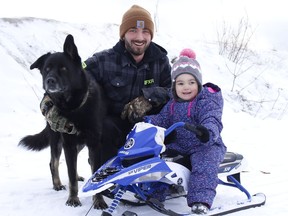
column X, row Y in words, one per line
column 123, row 80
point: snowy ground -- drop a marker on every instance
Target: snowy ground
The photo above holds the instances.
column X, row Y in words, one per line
column 27, row 187
column 258, row 132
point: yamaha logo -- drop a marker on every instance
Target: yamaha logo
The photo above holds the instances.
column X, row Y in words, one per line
column 180, row 181
column 129, row 143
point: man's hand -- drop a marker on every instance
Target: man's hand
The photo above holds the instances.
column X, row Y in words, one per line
column 57, row 122
column 136, row 109
column 46, row 104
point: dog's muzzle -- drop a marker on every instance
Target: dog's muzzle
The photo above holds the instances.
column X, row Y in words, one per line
column 51, row 85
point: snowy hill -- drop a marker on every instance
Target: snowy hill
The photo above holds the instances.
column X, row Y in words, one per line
column 255, row 113
column 258, row 91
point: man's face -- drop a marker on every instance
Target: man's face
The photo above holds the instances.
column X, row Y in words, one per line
column 137, row 40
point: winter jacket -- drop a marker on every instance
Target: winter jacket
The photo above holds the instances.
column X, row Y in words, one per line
column 123, row 79
column 206, row 110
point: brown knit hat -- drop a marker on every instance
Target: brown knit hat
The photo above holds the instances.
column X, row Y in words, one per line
column 137, row 17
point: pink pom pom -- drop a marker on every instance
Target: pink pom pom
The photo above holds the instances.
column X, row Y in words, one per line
column 189, row 53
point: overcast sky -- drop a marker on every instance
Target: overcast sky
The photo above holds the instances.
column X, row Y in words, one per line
column 87, row 10
column 262, row 14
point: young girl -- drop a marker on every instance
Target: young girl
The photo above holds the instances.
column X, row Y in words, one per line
column 201, row 106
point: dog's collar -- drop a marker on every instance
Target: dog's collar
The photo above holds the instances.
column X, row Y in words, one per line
column 84, row 99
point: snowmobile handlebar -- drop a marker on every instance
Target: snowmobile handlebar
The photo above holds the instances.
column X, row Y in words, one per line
column 186, row 125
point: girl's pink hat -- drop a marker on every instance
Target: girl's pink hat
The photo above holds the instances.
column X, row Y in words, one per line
column 188, row 52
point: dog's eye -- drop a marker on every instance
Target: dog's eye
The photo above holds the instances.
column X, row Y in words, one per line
column 63, row 69
column 47, row 69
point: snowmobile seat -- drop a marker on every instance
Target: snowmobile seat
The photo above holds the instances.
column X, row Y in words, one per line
column 232, row 157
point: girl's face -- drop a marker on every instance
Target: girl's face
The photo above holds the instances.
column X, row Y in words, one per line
column 186, row 87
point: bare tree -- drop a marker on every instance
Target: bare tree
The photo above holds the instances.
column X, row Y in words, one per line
column 156, row 17
column 233, row 43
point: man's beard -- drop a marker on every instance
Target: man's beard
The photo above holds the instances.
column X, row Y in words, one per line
column 135, row 50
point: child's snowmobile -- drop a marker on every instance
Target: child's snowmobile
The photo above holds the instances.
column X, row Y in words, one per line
column 142, row 169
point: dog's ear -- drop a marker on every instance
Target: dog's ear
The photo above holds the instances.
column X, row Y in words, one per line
column 40, row 62
column 71, row 50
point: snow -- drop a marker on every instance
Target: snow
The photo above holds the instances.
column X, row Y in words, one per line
column 255, row 114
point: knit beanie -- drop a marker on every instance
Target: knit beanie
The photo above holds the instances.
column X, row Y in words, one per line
column 186, row 64
column 136, row 17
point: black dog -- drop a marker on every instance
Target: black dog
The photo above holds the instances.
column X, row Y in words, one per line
column 80, row 99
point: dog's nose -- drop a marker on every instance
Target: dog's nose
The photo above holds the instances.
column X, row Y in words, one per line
column 50, row 81
column 50, row 84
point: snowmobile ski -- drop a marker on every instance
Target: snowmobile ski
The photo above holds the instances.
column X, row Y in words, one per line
column 257, row 200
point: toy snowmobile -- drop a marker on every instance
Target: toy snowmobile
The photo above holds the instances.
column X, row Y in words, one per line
column 142, row 169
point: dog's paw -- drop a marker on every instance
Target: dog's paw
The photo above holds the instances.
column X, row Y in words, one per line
column 80, row 178
column 59, row 187
column 99, row 202
column 73, row 201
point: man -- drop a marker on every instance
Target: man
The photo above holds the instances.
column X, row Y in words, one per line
column 135, row 76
